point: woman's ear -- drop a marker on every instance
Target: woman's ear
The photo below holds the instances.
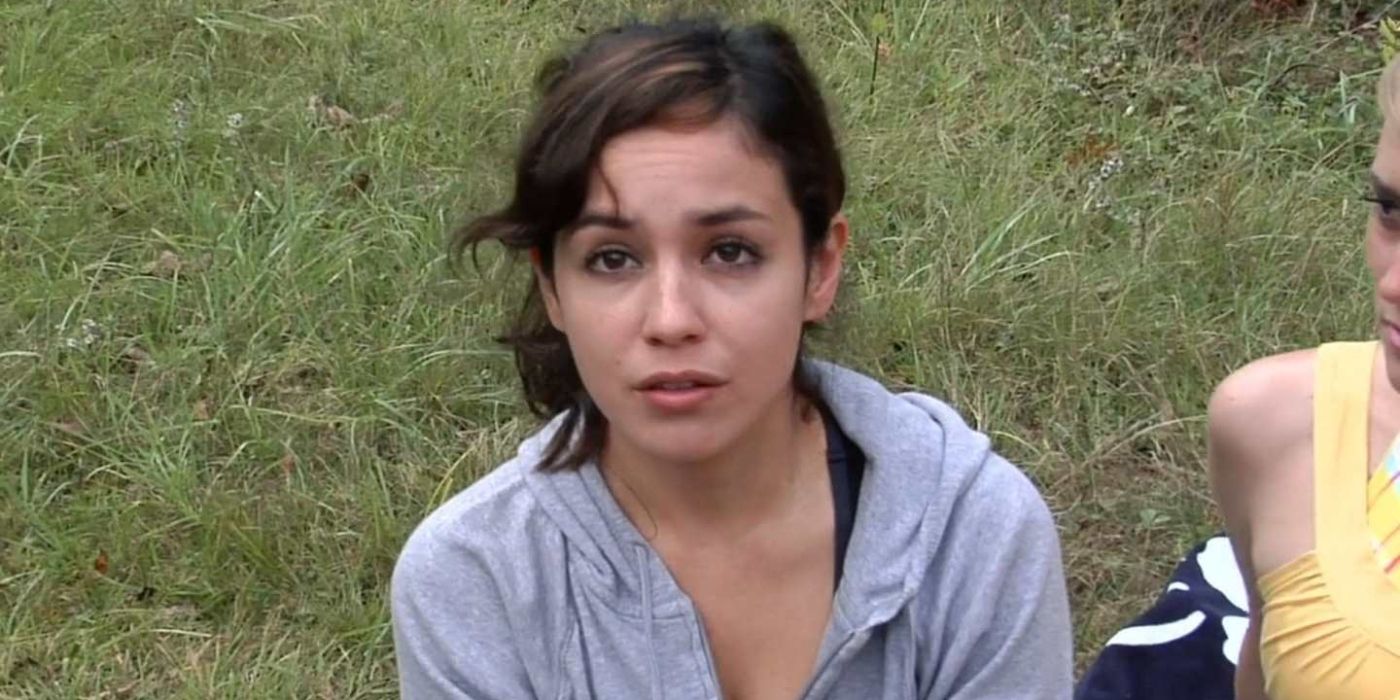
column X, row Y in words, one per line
column 824, row 276
column 545, row 282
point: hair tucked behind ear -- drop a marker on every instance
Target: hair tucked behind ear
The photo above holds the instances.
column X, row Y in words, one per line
column 681, row 72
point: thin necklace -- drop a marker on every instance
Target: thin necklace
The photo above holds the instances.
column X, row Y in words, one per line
column 656, row 527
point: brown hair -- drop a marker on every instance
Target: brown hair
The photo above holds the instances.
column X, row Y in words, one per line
column 636, row 75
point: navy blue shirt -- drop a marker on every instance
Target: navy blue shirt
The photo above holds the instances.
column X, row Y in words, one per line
column 847, row 464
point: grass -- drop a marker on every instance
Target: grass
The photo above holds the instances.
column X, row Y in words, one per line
column 234, row 372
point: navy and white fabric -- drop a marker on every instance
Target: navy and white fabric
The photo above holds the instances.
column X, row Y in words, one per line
column 1187, row 644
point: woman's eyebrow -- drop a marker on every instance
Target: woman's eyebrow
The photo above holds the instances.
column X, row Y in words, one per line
column 726, row 215
column 611, row 221
column 706, row 218
column 1382, row 189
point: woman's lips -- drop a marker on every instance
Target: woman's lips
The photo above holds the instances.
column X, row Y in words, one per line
column 678, row 397
column 1390, row 333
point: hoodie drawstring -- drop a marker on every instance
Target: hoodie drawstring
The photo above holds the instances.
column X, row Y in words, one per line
column 648, row 618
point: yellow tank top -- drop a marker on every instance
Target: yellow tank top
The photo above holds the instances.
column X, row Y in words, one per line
column 1331, row 617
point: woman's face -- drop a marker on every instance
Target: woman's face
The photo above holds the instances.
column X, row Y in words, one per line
column 683, row 288
column 1383, row 244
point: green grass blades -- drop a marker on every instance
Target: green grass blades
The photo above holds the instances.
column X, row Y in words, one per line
column 234, row 371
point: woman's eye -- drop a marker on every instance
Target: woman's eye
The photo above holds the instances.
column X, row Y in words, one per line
column 1387, row 211
column 610, row 261
column 734, row 254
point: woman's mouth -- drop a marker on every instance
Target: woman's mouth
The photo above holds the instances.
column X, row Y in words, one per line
column 676, row 392
column 678, row 399
column 1390, row 333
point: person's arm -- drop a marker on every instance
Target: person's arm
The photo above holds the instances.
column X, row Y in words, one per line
column 1259, row 453
column 452, row 638
column 1231, row 478
column 1008, row 633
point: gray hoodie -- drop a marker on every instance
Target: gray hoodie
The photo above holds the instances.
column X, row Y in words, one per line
column 536, row 585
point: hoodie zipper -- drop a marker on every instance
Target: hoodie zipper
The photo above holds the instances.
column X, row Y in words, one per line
column 816, row 685
column 707, row 661
column 649, row 619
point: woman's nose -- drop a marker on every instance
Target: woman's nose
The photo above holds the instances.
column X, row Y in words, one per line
column 1388, row 281
column 672, row 313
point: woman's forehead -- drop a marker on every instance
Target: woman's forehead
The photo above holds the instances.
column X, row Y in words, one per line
column 717, row 144
column 1385, row 166
column 697, row 170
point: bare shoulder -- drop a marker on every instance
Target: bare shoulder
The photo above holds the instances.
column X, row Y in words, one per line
column 1265, row 407
column 1259, row 448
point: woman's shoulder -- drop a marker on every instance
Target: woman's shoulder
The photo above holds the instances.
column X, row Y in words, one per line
column 469, row 586
column 480, row 522
column 1265, row 407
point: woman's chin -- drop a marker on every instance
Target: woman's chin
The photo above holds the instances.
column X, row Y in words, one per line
column 1392, row 372
column 678, row 445
column 1390, row 362
column 682, row 452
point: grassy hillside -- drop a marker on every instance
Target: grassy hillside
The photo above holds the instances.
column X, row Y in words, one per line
column 234, row 371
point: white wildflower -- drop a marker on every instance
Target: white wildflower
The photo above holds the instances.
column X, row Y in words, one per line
column 1097, row 199
column 232, row 124
column 92, row 331
column 1110, row 167
column 89, row 333
column 181, row 119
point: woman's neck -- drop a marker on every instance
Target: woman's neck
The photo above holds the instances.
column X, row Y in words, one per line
column 723, row 498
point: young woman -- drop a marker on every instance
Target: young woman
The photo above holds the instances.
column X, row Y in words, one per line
column 1305, row 466
column 707, row 513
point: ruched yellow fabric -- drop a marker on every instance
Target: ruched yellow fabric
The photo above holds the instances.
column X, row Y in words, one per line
column 1331, row 619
